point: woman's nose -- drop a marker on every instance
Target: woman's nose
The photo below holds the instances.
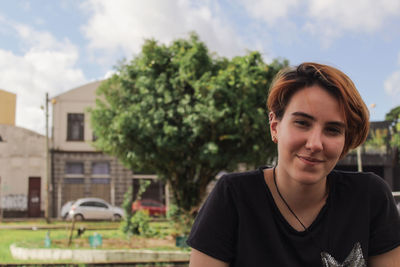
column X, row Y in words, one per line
column 314, row 141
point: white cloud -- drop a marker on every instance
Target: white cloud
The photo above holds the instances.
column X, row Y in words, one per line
column 25, row 5
column 326, row 19
column 109, row 74
column 332, row 18
column 392, row 84
column 270, row 11
column 45, row 65
column 120, row 26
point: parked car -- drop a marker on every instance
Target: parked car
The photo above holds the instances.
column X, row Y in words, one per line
column 94, row 209
column 153, row 207
column 65, row 209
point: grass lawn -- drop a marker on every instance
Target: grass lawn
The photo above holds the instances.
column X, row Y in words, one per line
column 34, row 236
column 18, row 236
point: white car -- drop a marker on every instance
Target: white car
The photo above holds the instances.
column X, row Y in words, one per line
column 65, row 209
column 94, row 209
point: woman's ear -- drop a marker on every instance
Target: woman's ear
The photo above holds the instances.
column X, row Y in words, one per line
column 273, row 123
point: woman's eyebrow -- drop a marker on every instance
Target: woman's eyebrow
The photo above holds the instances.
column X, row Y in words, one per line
column 302, row 114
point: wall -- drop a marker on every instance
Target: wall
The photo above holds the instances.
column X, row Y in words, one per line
column 74, row 101
column 22, row 155
column 120, row 178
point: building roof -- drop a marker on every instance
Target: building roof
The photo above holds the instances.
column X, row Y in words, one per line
column 21, row 142
column 10, row 130
column 86, row 92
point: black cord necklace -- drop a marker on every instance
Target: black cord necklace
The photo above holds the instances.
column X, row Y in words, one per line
column 284, row 201
column 315, row 243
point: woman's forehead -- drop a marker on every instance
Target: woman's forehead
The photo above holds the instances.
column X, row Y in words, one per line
column 316, row 102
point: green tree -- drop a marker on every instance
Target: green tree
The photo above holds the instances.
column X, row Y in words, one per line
column 394, row 117
column 186, row 115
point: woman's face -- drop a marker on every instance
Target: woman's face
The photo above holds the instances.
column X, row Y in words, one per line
column 310, row 135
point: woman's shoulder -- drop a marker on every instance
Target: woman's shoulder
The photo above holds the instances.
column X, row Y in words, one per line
column 238, row 178
column 242, row 183
column 361, row 180
column 356, row 176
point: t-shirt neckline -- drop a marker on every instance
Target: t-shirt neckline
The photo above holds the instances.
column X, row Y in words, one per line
column 287, row 225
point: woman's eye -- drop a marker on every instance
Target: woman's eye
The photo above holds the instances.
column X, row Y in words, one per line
column 334, row 131
column 301, row 123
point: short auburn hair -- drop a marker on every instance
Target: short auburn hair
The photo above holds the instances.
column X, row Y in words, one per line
column 290, row 80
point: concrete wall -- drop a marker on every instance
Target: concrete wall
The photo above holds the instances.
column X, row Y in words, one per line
column 22, row 155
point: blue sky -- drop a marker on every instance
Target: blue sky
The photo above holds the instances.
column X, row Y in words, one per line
column 54, row 46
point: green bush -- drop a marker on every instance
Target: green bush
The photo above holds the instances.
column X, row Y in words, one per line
column 140, row 225
column 182, row 221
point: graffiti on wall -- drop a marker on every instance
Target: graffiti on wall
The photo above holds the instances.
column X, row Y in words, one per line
column 14, row 202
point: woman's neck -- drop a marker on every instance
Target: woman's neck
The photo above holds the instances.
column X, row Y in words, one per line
column 305, row 200
column 301, row 195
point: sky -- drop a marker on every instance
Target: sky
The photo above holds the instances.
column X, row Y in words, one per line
column 54, row 46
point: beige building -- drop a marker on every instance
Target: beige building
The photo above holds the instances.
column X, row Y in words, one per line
column 22, row 172
column 7, row 107
column 71, row 121
column 78, row 170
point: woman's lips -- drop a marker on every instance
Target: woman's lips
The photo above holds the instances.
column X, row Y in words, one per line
column 310, row 160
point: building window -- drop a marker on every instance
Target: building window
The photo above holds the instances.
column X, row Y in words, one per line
column 73, row 180
column 101, row 168
column 74, row 168
column 100, row 180
column 75, row 127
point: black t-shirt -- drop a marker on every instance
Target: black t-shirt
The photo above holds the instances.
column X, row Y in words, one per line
column 240, row 223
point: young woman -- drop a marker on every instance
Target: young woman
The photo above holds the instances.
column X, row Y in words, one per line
column 302, row 212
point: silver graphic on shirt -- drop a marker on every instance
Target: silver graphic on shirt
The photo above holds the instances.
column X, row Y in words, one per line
column 355, row 259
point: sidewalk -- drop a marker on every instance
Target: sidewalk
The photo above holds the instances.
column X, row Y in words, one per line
column 33, row 224
column 101, row 255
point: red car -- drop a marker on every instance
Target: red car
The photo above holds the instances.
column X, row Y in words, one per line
column 153, row 207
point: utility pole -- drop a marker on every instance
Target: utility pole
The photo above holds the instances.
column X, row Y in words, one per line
column 1, row 204
column 359, row 162
column 47, row 173
column 359, row 155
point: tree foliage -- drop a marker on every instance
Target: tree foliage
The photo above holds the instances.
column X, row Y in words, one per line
column 185, row 114
column 394, row 117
